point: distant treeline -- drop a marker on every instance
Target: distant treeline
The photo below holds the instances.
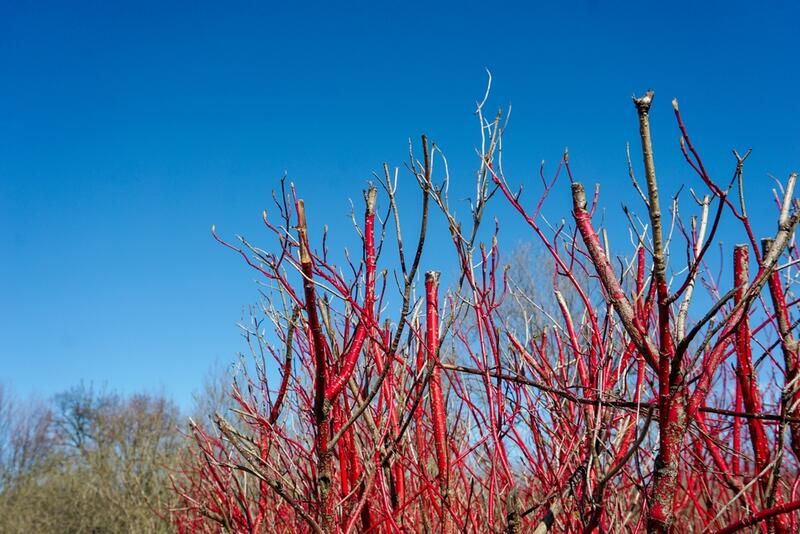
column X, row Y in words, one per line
column 89, row 461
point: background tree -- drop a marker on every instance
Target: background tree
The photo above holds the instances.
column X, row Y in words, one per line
column 93, row 462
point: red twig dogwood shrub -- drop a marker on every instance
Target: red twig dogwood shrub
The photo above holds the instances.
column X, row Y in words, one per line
column 645, row 396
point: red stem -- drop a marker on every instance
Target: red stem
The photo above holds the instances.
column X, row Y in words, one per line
column 350, row 357
column 763, row 515
column 438, row 414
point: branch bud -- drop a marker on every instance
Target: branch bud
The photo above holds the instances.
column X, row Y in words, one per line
column 579, row 196
column 370, row 197
column 302, row 232
column 643, row 102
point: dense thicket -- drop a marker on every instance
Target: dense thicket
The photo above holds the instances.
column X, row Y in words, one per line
column 615, row 387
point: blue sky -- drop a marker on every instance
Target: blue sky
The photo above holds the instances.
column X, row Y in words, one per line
column 126, row 130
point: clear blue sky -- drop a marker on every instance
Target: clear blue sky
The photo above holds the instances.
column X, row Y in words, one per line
column 127, row 129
